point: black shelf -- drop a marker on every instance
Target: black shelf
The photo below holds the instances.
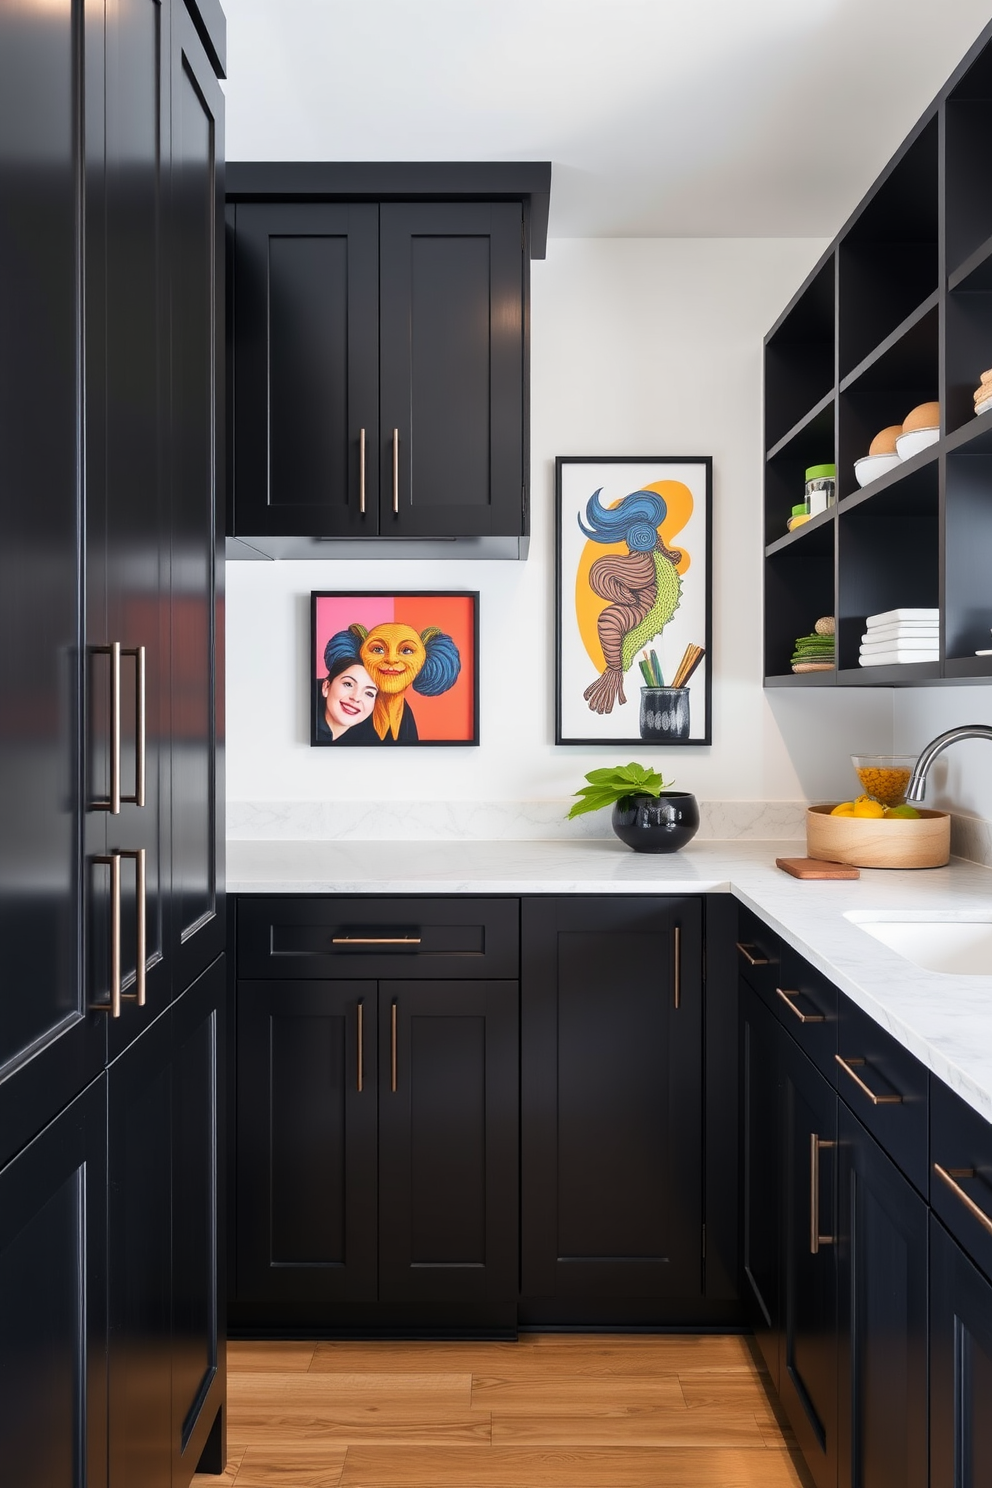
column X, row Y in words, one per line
column 802, row 679
column 976, row 271
column 799, row 356
column 816, row 536
column 808, row 428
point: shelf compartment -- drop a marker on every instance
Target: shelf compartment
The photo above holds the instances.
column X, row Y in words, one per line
column 802, row 679
column 815, row 536
column 910, row 674
column 903, row 373
column 888, row 259
column 812, row 443
column 967, row 544
column 799, row 355
column 888, row 557
column 799, row 589
column 969, row 352
column 968, row 129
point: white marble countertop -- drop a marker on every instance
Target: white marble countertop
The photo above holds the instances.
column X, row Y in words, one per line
column 945, row 1020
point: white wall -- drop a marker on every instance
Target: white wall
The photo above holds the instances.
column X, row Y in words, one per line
column 639, row 346
column 961, row 778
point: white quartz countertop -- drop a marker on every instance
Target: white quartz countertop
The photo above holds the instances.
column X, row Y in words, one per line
column 945, row 1020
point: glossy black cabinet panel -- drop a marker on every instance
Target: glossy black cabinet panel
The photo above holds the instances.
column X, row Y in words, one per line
column 886, row 1088
column 961, row 1172
column 53, row 1398
column 882, row 1277
column 761, row 1176
column 307, row 1157
column 448, row 1141
column 808, row 1373
column 960, row 1367
column 306, row 369
column 611, row 1110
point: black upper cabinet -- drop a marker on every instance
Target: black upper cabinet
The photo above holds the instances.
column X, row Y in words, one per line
column 380, row 355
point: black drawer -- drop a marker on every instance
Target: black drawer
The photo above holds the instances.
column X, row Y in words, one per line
column 887, row 1089
column 335, row 936
column 806, row 1005
column 961, row 1172
column 758, row 951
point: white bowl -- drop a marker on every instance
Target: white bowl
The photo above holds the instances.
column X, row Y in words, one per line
column 908, row 445
column 985, row 404
column 870, row 467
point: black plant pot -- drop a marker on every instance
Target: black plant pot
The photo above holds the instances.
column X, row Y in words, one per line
column 657, row 823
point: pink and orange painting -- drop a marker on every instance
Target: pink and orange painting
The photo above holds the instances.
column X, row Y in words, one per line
column 394, row 668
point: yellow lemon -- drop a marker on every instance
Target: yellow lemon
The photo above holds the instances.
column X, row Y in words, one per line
column 864, row 807
column 846, row 808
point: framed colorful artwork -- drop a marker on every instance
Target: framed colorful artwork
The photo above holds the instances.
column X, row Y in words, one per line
column 633, row 599
column 389, row 668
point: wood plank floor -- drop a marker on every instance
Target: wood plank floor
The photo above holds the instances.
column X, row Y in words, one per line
column 550, row 1411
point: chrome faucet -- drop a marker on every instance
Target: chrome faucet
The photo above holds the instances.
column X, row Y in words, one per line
column 917, row 787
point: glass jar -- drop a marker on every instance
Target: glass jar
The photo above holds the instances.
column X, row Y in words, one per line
column 821, row 488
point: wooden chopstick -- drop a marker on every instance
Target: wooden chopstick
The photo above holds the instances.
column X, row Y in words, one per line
column 692, row 657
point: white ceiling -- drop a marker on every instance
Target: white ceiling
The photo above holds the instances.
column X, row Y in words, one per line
column 662, row 117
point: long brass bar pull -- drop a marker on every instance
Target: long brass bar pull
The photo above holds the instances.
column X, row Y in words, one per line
column 803, row 1017
column 392, row 1048
column 361, row 1046
column 816, row 1146
column 138, row 799
column 410, row 940
column 141, row 926
column 361, row 480
column 396, row 472
column 677, row 979
column 113, row 1007
column 949, row 1175
column 751, row 960
column 849, row 1066
column 113, row 801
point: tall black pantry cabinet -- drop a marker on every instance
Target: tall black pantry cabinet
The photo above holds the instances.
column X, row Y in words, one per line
column 111, row 1342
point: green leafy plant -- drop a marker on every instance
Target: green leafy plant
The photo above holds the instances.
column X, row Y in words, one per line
column 609, row 786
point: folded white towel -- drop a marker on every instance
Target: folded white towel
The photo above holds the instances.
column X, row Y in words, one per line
column 890, row 617
column 897, row 656
column 917, row 635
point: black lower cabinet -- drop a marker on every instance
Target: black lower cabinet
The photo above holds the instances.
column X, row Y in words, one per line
column 611, row 1084
column 960, row 1367
column 53, row 1388
column 377, row 1154
column 761, row 1178
column 808, row 1374
column 882, row 1278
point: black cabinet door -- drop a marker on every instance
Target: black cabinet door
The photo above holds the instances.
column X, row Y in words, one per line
column 50, row 1044
column 307, row 1165
column 451, row 353
column 882, row 1293
column 808, row 1375
column 306, row 369
column 53, row 1396
column 448, row 1141
column 199, row 1374
column 611, row 1025
column 762, row 1174
column 196, row 475
column 139, row 1260
column 960, row 1367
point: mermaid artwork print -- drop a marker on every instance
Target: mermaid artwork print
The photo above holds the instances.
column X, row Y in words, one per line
column 634, row 600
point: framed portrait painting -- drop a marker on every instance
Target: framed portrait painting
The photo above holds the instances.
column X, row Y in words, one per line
column 633, row 599
column 393, row 668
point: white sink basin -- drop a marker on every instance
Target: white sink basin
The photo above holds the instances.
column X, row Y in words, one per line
column 959, row 947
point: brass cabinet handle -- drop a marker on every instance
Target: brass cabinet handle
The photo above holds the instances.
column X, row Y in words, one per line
column 113, row 1007
column 949, row 1175
column 849, row 1067
column 361, row 476
column 803, row 1017
column 392, row 1048
column 751, row 960
column 115, row 651
column 396, row 472
column 138, row 799
column 816, row 1146
column 678, row 967
column 361, row 1044
column 376, row 940
column 141, row 935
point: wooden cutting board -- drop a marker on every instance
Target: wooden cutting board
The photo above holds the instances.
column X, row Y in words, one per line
column 814, row 868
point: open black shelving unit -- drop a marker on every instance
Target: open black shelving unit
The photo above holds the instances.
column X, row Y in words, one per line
column 897, row 312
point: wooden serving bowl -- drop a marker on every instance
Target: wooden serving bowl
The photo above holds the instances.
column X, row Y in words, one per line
column 881, row 842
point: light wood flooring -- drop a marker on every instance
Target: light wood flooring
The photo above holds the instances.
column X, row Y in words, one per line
column 550, row 1411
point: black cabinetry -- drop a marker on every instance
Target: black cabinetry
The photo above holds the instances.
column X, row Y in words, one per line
column 898, row 312
column 612, row 1119
column 380, row 354
column 377, row 1115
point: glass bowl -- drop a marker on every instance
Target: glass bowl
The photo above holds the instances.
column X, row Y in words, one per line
column 884, row 777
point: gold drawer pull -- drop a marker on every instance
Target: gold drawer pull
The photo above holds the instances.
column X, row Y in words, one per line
column 752, row 960
column 361, row 1044
column 392, row 1048
column 949, row 1175
column 816, row 1146
column 849, row 1066
column 803, row 1017
column 678, row 967
column 376, row 940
